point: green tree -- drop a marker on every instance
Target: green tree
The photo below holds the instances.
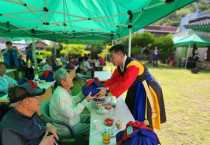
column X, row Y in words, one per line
column 142, row 40
column 165, row 46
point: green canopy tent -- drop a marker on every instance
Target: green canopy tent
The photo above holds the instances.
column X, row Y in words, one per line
column 190, row 40
column 84, row 20
column 177, row 38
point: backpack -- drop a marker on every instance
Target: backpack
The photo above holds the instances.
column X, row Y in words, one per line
column 140, row 135
column 25, row 80
column 91, row 86
column 47, row 76
column 70, row 66
column 75, row 63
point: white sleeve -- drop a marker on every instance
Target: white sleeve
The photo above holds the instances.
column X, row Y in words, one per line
column 78, row 97
column 68, row 109
column 88, row 65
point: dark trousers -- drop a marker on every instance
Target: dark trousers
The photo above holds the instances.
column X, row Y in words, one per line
column 155, row 62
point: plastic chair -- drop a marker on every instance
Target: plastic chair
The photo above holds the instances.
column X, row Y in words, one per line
column 73, row 139
column 83, row 77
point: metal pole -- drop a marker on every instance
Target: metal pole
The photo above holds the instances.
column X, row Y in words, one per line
column 54, row 46
column 187, row 56
column 106, row 55
column 129, row 47
column 67, row 51
column 35, row 60
column 112, row 63
column 0, row 56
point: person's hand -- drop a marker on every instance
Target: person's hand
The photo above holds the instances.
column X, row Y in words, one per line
column 102, row 92
column 52, row 129
column 88, row 98
column 47, row 140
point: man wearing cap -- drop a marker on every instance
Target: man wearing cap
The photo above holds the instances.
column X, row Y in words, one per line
column 22, row 125
column 6, row 82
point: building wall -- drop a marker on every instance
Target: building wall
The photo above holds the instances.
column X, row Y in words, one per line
column 185, row 20
column 40, row 45
column 160, row 34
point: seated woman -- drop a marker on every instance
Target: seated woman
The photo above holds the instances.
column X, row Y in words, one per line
column 48, row 65
column 86, row 67
column 65, row 107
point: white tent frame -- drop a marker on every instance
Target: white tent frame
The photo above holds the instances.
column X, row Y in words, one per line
column 63, row 33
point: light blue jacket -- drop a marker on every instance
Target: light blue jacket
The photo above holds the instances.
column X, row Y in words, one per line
column 4, row 83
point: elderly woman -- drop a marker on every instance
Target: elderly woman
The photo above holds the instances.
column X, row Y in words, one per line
column 65, row 107
column 22, row 125
column 48, row 65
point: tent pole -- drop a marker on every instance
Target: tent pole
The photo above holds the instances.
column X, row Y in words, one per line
column 106, row 54
column 187, row 56
column 35, row 60
column 112, row 63
column 54, row 46
column 129, row 46
column 67, row 51
column 0, row 56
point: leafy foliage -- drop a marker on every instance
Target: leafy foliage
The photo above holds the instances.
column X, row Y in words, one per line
column 165, row 46
column 142, row 39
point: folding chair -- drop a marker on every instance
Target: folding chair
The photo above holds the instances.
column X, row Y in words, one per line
column 73, row 139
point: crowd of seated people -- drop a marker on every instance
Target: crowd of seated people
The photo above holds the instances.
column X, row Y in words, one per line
column 21, row 111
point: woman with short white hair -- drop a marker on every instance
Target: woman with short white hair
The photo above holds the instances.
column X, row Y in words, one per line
column 65, row 107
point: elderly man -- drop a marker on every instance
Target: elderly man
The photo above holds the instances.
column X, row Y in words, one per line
column 6, row 82
column 48, row 65
column 65, row 107
column 22, row 125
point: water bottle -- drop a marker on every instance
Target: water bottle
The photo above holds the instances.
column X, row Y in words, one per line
column 114, row 109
